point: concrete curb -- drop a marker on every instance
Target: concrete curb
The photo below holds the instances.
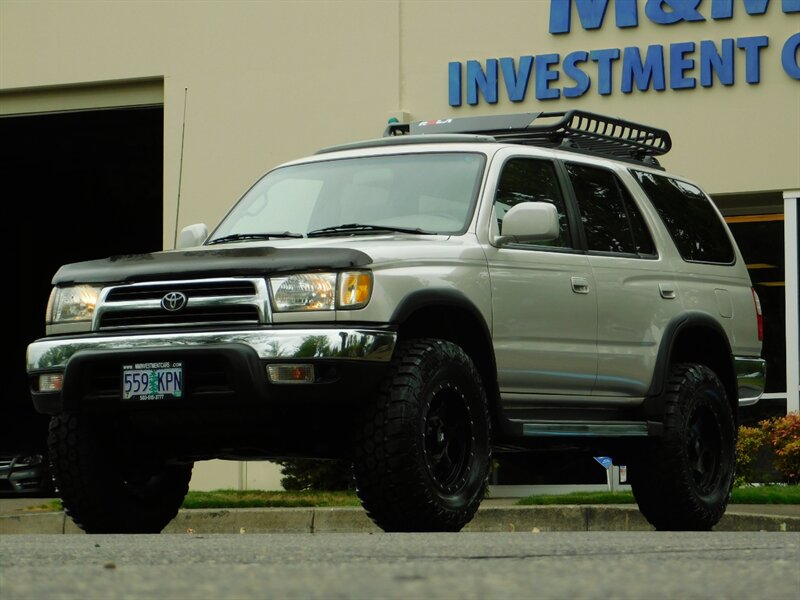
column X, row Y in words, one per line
column 354, row 520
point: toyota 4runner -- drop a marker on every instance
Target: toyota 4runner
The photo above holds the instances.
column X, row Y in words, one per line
column 529, row 283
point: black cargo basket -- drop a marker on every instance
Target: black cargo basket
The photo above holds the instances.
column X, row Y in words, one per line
column 574, row 129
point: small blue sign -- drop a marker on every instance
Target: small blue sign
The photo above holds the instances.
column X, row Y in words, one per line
column 605, row 461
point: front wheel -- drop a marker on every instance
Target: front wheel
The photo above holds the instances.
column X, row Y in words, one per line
column 422, row 452
column 683, row 480
column 107, row 485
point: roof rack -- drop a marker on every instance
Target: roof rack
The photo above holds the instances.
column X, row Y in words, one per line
column 574, row 130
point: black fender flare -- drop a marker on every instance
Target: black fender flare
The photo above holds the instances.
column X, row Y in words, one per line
column 428, row 297
column 447, row 298
column 653, row 405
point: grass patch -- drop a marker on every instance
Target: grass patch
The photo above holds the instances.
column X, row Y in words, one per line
column 580, row 498
column 765, row 494
column 52, row 506
column 258, row 498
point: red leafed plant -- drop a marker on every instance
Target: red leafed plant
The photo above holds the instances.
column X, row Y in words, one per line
column 782, row 434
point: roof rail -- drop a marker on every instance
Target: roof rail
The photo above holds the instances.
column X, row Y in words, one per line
column 574, row 129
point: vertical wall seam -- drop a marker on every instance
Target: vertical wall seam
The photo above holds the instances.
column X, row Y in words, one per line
column 400, row 78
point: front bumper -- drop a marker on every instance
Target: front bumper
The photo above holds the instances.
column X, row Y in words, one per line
column 227, row 368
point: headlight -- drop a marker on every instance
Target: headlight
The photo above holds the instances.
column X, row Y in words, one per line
column 71, row 304
column 309, row 291
column 321, row 291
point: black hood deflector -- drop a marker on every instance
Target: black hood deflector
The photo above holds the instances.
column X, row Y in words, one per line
column 219, row 262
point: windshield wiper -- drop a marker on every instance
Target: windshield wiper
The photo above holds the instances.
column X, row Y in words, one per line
column 360, row 227
column 235, row 237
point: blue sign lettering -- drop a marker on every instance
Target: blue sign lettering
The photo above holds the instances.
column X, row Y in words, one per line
column 571, row 69
column 752, row 55
column 652, row 70
column 723, row 9
column 544, row 75
column 516, row 80
column 591, row 13
column 644, row 69
column 678, row 10
column 454, row 83
column 789, row 56
column 713, row 62
column 679, row 64
column 604, row 60
column 486, row 82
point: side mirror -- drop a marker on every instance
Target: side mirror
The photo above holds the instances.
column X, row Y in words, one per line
column 192, row 235
column 530, row 222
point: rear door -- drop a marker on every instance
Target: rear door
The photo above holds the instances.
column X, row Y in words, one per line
column 637, row 294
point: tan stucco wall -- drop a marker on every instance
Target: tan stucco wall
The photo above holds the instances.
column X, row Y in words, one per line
column 267, row 81
column 270, row 81
column 227, row 475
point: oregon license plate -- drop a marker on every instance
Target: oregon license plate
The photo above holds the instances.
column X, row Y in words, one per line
column 152, row 381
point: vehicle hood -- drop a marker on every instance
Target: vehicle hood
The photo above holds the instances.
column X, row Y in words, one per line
column 254, row 258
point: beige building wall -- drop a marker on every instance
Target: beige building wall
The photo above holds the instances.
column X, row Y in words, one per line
column 255, row 83
column 227, row 475
column 269, row 81
column 263, row 81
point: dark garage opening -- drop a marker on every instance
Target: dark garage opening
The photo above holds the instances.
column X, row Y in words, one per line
column 76, row 186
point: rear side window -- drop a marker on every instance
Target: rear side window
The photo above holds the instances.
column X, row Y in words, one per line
column 690, row 218
column 610, row 218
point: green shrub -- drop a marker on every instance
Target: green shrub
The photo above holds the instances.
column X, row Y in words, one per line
column 749, row 445
column 770, row 452
column 312, row 474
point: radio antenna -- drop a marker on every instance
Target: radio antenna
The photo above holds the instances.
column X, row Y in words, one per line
column 180, row 170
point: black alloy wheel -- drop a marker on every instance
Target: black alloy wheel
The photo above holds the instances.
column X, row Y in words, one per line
column 422, row 451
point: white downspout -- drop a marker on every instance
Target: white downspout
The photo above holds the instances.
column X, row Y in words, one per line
column 790, row 202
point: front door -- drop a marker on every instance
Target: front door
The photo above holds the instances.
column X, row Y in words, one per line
column 544, row 301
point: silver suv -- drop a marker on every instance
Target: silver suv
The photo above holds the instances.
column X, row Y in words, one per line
column 525, row 283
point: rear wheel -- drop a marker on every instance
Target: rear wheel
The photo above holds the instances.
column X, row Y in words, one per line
column 684, row 479
column 109, row 486
column 422, row 453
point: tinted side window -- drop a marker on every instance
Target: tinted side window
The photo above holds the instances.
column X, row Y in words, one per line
column 531, row 180
column 690, row 218
column 610, row 217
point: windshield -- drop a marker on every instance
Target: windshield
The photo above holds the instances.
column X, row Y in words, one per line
column 424, row 193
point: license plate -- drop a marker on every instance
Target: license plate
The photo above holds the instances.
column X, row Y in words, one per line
column 152, row 381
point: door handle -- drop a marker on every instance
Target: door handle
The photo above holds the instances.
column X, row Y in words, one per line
column 667, row 291
column 580, row 285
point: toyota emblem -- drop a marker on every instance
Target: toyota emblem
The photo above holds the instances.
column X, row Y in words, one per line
column 173, row 301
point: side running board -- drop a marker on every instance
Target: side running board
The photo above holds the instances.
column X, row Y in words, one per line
column 589, row 428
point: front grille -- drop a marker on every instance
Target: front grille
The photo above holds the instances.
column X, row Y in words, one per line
column 191, row 289
column 229, row 300
column 188, row 316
